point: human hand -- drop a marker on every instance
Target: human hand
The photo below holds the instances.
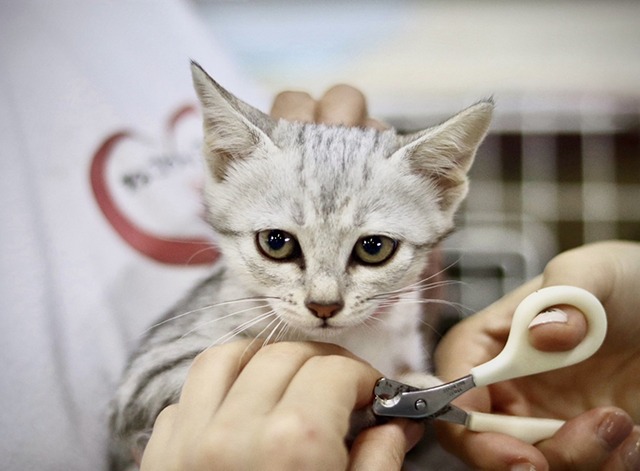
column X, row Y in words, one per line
column 284, row 406
column 598, row 397
column 340, row 105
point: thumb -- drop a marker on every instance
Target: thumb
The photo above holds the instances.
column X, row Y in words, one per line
column 559, row 328
column 588, row 440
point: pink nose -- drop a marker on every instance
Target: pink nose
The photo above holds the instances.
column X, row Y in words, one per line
column 324, row 311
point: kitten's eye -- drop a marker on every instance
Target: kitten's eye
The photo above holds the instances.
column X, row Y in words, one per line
column 277, row 244
column 374, row 249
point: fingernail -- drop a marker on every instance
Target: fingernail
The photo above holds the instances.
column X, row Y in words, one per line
column 631, row 454
column 614, row 428
column 522, row 467
column 549, row 317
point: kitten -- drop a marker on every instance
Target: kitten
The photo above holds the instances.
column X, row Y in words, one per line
column 325, row 232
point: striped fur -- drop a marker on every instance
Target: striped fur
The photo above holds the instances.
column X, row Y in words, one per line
column 328, row 187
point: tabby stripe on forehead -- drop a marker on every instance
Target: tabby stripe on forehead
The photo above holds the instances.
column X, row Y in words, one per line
column 160, row 370
column 299, row 139
column 366, row 171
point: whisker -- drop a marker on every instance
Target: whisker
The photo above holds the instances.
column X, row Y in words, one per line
column 202, row 250
column 369, row 321
column 211, row 306
column 275, row 320
column 422, row 285
column 273, row 331
column 255, row 338
column 437, row 333
column 242, row 327
column 437, row 284
column 429, row 282
column 283, row 332
column 419, row 287
column 226, row 316
column 374, row 324
column 460, row 308
column 440, row 272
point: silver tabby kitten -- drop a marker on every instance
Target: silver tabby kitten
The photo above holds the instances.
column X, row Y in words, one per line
column 324, row 231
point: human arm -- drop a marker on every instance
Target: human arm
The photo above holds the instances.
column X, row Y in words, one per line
column 599, row 395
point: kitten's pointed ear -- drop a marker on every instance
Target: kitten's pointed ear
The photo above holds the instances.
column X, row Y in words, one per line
column 444, row 153
column 233, row 130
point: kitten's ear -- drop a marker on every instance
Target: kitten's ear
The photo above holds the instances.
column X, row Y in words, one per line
column 444, row 153
column 233, row 130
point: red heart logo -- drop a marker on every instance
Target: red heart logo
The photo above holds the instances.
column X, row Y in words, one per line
column 128, row 196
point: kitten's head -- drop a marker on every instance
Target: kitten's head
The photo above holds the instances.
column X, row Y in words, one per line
column 330, row 220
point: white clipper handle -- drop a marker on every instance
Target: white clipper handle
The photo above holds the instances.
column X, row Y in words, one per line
column 528, row 429
column 520, row 358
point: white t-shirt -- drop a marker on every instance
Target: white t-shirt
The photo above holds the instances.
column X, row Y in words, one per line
column 99, row 169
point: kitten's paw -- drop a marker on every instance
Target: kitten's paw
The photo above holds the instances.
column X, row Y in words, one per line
column 420, row 380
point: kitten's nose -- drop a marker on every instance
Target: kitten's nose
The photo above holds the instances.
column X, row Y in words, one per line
column 324, row 311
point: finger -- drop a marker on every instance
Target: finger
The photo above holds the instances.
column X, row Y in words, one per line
column 627, row 455
column 559, row 328
column 342, row 105
column 210, row 378
column 155, row 453
column 489, row 451
column 264, row 380
column 376, row 124
column 604, row 269
column 308, row 425
column 384, row 447
column 587, row 441
column 590, row 271
column 212, row 374
column 329, row 388
column 294, row 106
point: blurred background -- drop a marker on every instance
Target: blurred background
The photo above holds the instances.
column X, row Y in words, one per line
column 561, row 166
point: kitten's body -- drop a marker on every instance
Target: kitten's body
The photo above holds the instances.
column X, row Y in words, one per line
column 325, row 232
